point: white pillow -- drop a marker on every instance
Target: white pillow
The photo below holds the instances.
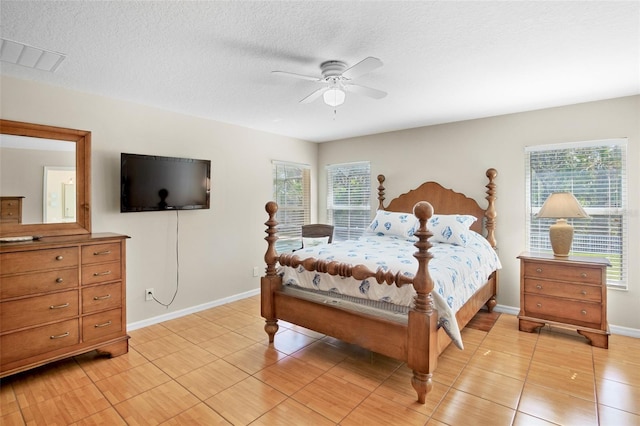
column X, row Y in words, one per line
column 451, row 228
column 403, row 225
column 311, row 242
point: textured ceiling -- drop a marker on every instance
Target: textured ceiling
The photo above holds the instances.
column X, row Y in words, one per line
column 443, row 61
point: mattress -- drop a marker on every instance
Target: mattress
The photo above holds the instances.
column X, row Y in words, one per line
column 457, row 271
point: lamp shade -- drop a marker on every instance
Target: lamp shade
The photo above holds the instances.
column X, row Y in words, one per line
column 334, row 97
column 562, row 205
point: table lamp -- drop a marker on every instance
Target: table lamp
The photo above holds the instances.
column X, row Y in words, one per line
column 561, row 205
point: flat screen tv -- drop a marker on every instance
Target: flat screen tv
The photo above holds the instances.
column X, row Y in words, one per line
column 154, row 183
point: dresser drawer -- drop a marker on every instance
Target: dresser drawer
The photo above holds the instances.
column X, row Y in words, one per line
column 575, row 273
column 38, row 310
column 10, row 204
column 39, row 340
column 102, row 325
column 98, row 253
column 101, row 297
column 10, row 213
column 561, row 289
column 40, row 260
column 563, row 310
column 38, row 282
column 101, row 272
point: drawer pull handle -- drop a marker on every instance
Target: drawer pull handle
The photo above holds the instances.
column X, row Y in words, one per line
column 59, row 257
column 538, row 270
column 101, row 297
column 583, row 275
column 59, row 280
column 101, row 253
column 98, row 274
column 64, row 305
column 539, row 305
column 583, row 312
column 583, row 292
column 539, row 286
column 106, row 324
column 60, row 336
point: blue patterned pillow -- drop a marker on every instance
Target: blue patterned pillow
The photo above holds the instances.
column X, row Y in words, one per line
column 451, row 228
column 403, row 225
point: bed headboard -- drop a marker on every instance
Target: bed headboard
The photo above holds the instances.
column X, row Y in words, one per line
column 447, row 201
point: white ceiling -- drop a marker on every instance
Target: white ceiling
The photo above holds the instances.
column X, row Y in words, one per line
column 443, row 61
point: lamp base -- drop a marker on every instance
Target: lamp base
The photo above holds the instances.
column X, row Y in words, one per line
column 561, row 237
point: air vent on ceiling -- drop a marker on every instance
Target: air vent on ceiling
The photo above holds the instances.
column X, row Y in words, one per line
column 29, row 56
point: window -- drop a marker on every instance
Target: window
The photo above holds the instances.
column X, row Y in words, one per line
column 291, row 191
column 348, row 199
column 595, row 172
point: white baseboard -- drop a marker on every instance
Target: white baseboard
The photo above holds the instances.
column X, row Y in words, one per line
column 504, row 309
column 192, row 310
column 511, row 310
column 614, row 329
column 624, row 331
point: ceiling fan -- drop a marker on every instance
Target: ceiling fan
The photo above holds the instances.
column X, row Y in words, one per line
column 336, row 79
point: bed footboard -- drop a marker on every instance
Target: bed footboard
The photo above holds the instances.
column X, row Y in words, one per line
column 417, row 346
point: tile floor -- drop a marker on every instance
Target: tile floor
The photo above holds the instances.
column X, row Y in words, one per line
column 215, row 368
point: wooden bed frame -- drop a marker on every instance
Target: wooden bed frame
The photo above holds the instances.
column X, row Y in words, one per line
column 419, row 342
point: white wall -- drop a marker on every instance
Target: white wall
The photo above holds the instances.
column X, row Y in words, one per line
column 458, row 154
column 218, row 247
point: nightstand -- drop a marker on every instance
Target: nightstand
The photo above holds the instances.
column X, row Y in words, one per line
column 569, row 291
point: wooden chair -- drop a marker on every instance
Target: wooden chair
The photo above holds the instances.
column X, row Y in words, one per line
column 317, row 230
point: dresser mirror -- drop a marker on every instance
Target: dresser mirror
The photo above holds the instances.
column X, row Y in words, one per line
column 45, row 180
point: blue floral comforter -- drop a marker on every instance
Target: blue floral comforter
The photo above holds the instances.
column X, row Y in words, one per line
column 457, row 271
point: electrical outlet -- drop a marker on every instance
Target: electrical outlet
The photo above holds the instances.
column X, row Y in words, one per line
column 148, row 294
column 256, row 271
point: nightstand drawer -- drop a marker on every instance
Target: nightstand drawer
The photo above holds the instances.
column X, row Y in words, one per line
column 561, row 289
column 562, row 310
column 573, row 273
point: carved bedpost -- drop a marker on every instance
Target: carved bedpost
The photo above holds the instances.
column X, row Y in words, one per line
column 491, row 214
column 271, row 280
column 270, row 257
column 422, row 353
column 381, row 179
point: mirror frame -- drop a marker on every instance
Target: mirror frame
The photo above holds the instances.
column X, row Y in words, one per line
column 82, row 139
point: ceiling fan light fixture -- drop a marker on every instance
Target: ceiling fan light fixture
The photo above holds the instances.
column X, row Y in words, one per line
column 334, row 97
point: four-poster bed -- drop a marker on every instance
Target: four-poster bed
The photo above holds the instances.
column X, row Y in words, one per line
column 416, row 338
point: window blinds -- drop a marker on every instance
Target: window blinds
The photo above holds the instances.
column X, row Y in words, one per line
column 291, row 189
column 595, row 172
column 349, row 199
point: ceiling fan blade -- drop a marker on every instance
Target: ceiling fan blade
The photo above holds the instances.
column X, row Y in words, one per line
column 314, row 95
column 303, row 77
column 364, row 66
column 366, row 91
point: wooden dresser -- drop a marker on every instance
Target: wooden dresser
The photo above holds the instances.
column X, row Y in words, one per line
column 61, row 296
column 569, row 291
column 11, row 209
